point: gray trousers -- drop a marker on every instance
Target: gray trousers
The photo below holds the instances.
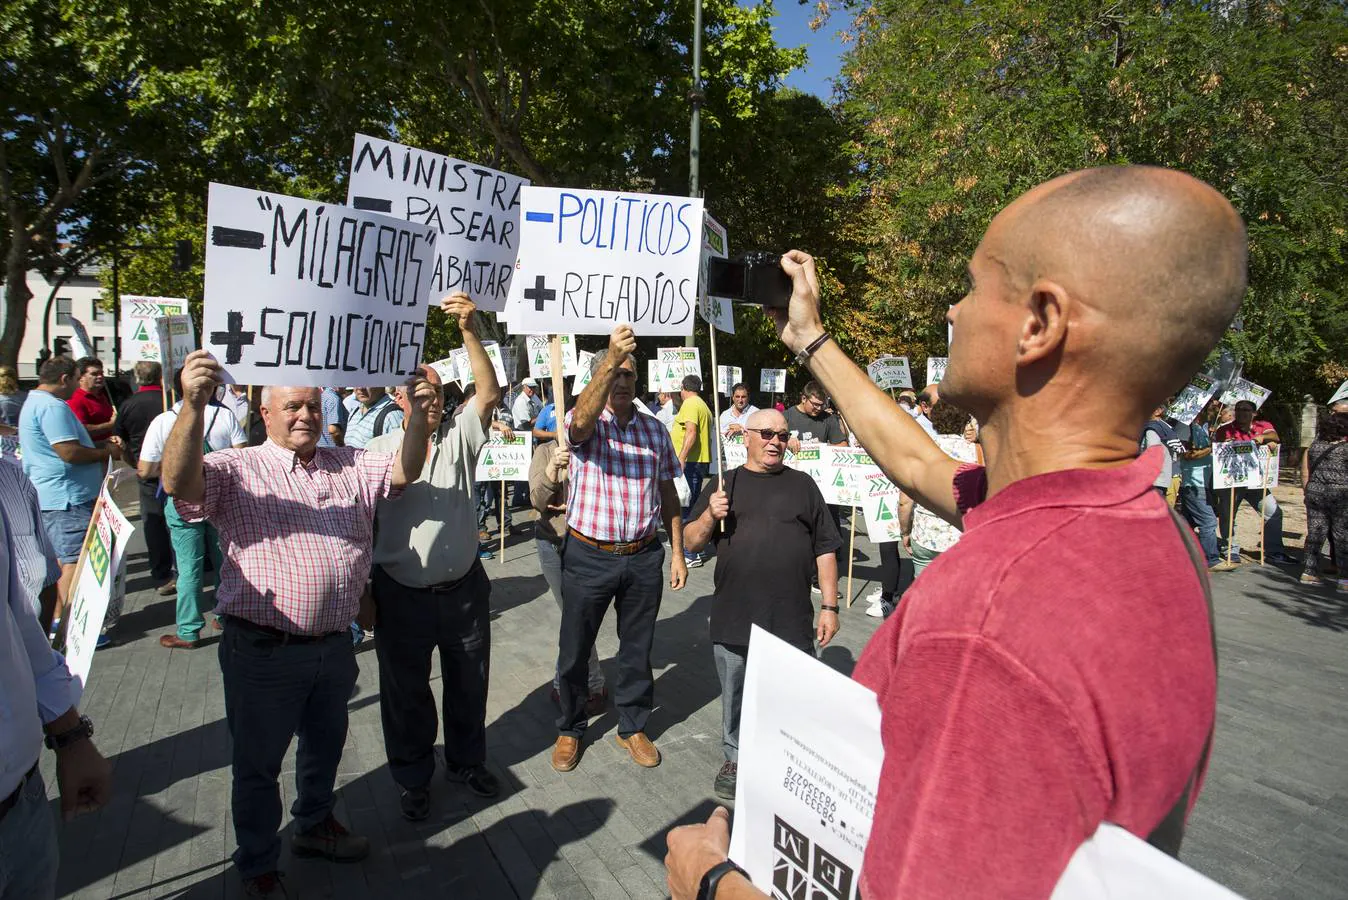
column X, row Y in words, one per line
column 550, row 561
column 28, row 850
column 730, row 660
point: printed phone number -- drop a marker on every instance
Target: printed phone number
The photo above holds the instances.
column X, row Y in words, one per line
column 814, row 797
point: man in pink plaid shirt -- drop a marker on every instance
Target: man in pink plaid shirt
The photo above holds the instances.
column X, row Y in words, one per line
column 623, row 468
column 296, row 524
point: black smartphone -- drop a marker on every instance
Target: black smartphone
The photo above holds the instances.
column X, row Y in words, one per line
column 755, row 277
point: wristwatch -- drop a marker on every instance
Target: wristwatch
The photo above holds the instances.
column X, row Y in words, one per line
column 85, row 729
column 707, row 889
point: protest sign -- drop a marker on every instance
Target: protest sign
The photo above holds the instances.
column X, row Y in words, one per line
column 463, row 366
column 1117, row 865
column 1243, row 389
column 772, row 381
column 685, row 360
column 306, row 293
column 584, row 371
column 810, row 757
column 475, row 211
column 591, row 260
column 139, row 343
column 889, row 372
column 936, row 368
column 505, row 459
column 727, row 377
column 80, row 344
column 510, row 362
column 1193, row 399
column 717, row 311
column 843, row 474
column 807, row 459
column 540, row 356
column 665, row 375
column 446, row 369
column 1236, row 464
column 880, row 508
column 733, row 452
column 97, row 573
column 1340, row 394
column 1270, row 461
column 177, row 337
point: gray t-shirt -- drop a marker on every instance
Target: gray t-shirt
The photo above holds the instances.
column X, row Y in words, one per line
column 1151, row 439
column 428, row 535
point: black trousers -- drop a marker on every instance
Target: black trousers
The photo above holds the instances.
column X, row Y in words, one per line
column 409, row 624
column 157, row 542
column 591, row 580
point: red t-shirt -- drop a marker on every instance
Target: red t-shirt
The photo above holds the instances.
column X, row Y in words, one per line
column 1052, row 670
column 91, row 409
column 1231, row 431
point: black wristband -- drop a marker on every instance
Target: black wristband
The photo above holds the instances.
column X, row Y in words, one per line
column 707, row 889
column 810, row 349
column 81, row 731
column 824, row 607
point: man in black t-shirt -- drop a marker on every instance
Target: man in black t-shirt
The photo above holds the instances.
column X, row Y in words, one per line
column 777, row 531
column 133, row 419
column 809, row 420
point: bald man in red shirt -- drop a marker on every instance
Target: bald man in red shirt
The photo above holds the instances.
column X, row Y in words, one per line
column 1036, row 682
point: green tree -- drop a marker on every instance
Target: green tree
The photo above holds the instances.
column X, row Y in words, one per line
column 961, row 106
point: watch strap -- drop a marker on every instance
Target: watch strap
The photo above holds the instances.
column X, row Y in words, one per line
column 814, row 345
column 85, row 729
column 707, row 889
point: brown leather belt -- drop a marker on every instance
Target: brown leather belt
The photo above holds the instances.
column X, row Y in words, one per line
column 620, row 548
column 12, row 800
column 283, row 637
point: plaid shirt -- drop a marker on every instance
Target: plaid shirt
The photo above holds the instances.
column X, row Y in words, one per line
column 296, row 538
column 616, row 475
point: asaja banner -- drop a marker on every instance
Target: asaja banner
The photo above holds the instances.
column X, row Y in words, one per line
column 540, row 355
column 880, row 508
column 772, row 381
column 463, row 366
column 474, row 209
column 177, row 337
column 307, row 293
column 890, row 372
column 1242, row 389
column 505, row 459
column 727, row 377
column 682, row 361
column 936, row 368
column 584, row 371
column 591, row 260
column 716, row 311
column 843, row 474
column 1236, row 464
column 139, row 342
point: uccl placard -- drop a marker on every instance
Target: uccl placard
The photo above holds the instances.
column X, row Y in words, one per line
column 591, row 260
column 139, row 343
column 475, row 210
column 306, row 293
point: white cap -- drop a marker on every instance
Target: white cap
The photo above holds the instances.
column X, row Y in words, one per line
column 529, row 382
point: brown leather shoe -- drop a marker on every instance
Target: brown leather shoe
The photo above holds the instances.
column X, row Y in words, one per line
column 173, row 642
column 565, row 753
column 643, row 751
column 168, row 588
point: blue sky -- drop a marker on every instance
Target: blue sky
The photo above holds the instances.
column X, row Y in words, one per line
column 791, row 25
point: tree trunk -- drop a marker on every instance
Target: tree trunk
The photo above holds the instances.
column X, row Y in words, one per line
column 17, row 296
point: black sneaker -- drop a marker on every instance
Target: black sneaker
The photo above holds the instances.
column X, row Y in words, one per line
column 268, row 884
column 477, row 778
column 416, row 804
column 725, row 781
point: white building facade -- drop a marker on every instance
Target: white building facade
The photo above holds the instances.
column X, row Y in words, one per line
column 80, row 298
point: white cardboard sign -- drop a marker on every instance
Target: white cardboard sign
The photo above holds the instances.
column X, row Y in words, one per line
column 773, row 381
column 177, row 337
column 734, row 453
column 682, row 361
column 474, row 209
column 844, row 474
column 540, row 355
column 936, row 368
column 880, row 508
column 1340, row 394
column 717, row 311
column 591, row 260
column 727, row 377
column 1243, row 389
column 463, row 366
column 1236, row 464
column 890, row 372
column 1191, row 401
column 584, row 371
column 311, row 294
column 97, row 572
column 502, row 459
column 139, row 343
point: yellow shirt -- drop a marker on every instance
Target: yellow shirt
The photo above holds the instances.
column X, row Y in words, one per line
column 695, row 411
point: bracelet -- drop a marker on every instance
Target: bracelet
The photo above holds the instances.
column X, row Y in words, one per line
column 813, row 346
column 706, row 890
column 824, row 607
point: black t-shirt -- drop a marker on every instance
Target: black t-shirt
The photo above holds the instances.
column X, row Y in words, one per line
column 778, row 524
column 823, row 428
column 134, row 418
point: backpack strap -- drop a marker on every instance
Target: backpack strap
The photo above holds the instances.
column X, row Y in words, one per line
column 1168, row 835
column 381, row 418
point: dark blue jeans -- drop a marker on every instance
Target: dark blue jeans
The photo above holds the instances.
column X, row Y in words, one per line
column 696, row 473
column 1198, row 513
column 1270, row 511
column 591, row 580
column 274, row 691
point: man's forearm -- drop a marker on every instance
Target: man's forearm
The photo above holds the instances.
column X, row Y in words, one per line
column 672, row 513
column 591, row 400
column 181, row 471
column 81, row 455
column 412, row 453
column 101, row 430
column 828, row 576
column 697, row 532
column 689, row 439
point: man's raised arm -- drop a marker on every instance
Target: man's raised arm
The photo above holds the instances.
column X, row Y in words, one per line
column 893, row 438
column 181, row 472
column 458, row 306
column 621, row 344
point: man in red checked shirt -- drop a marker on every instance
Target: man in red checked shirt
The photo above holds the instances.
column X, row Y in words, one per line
column 90, row 402
column 1245, row 427
column 1035, row 684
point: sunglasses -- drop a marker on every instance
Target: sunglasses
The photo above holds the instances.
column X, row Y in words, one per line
column 768, row 434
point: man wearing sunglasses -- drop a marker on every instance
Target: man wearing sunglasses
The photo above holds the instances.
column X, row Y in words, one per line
column 1035, row 683
column 777, row 529
column 622, row 470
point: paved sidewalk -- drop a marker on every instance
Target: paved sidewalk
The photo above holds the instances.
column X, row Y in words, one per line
column 1272, row 822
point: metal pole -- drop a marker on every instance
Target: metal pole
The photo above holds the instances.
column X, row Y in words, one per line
column 695, row 128
column 116, row 314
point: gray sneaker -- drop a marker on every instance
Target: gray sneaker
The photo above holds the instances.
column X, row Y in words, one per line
column 725, row 781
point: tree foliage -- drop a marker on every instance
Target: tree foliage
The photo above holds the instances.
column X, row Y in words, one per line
column 961, row 105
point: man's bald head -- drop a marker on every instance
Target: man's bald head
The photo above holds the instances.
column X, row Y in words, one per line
column 766, row 418
column 1147, row 267
column 764, row 455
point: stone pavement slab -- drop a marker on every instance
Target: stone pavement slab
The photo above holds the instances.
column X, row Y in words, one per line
column 1272, row 821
